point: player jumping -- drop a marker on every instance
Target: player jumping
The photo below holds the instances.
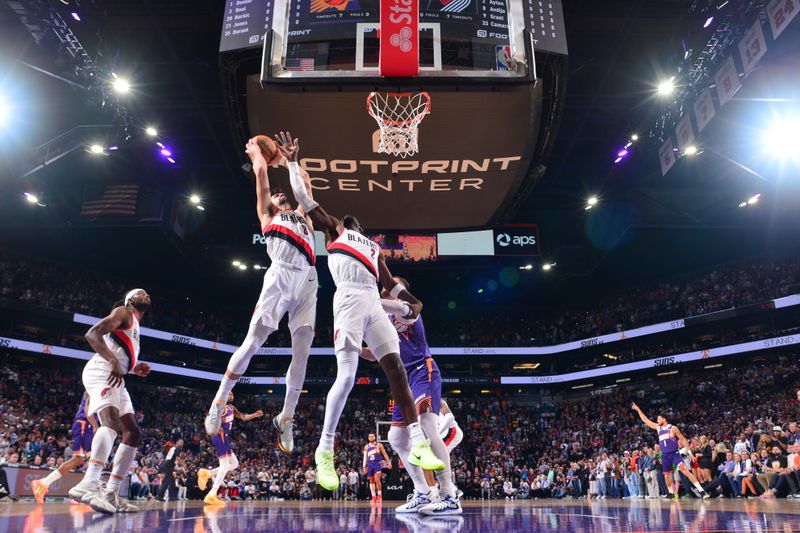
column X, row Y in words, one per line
column 356, row 264
column 669, row 437
column 83, row 429
column 227, row 459
column 425, row 381
column 373, row 466
column 290, row 286
column 115, row 340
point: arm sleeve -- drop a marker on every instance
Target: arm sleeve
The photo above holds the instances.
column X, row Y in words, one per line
column 395, row 307
column 299, row 188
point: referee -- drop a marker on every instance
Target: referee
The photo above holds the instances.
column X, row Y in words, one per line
column 168, row 469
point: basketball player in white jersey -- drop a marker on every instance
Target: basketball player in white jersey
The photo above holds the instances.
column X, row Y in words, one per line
column 115, row 340
column 356, row 264
column 290, row 286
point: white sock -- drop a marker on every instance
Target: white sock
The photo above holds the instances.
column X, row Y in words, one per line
column 430, row 423
column 225, row 388
column 415, row 433
column 296, row 375
column 698, row 486
column 399, row 439
column 102, row 442
column 222, row 471
column 122, row 463
column 51, row 478
column 347, row 364
column 372, row 489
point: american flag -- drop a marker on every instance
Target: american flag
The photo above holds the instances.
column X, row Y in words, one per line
column 118, row 200
column 300, row 65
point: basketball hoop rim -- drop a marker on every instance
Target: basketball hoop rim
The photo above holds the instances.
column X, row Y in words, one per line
column 400, row 95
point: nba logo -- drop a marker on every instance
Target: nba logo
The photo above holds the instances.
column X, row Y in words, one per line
column 503, row 56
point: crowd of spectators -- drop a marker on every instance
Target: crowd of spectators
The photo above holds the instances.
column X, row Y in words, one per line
column 742, row 423
column 52, row 286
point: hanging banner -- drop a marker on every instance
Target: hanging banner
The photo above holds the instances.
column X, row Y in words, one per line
column 752, row 47
column 667, row 157
column 704, row 110
column 780, row 14
column 685, row 133
column 727, row 80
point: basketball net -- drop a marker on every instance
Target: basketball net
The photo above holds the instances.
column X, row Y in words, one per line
column 398, row 116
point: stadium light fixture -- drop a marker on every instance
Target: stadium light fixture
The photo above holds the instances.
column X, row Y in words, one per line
column 32, row 198
column 635, row 137
column 194, row 199
column 753, row 199
column 4, row 112
column 548, row 266
column 242, row 266
column 201, row 208
column 151, row 131
column 780, row 140
column 97, row 149
column 165, row 152
column 709, row 20
column 592, row 201
column 236, row 263
column 121, row 85
column 666, row 87
column 743, row 204
column 691, row 150
column 526, row 267
column 76, row 16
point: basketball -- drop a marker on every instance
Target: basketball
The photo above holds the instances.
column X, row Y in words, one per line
column 269, row 149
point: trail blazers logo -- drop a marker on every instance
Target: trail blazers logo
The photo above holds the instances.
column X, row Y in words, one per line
column 454, row 6
column 104, row 392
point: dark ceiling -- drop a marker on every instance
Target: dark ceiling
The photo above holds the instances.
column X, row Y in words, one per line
column 645, row 225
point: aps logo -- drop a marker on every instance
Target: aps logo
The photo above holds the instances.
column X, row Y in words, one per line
column 504, row 239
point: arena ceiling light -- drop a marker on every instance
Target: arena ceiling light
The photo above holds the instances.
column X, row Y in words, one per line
column 635, row 137
column 591, row 202
column 97, row 149
column 151, row 131
column 194, row 199
column 242, row 266
column 691, row 150
column 33, row 199
column 780, row 140
column 236, row 263
column 666, row 87
column 121, row 85
column 526, row 267
column 4, row 112
column 548, row 266
column 753, row 200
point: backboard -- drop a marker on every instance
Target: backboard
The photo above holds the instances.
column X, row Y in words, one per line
column 481, row 144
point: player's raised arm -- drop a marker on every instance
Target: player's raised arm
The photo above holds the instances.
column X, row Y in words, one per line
column 264, row 206
column 290, row 148
column 649, row 423
column 119, row 317
column 397, row 289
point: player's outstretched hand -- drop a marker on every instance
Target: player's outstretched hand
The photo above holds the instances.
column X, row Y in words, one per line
column 141, row 369
column 288, row 146
column 258, row 414
column 253, row 151
column 634, row 406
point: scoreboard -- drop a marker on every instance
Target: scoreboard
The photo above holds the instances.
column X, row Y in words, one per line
column 246, row 21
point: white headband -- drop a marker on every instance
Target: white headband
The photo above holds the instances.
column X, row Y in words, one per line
column 130, row 295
